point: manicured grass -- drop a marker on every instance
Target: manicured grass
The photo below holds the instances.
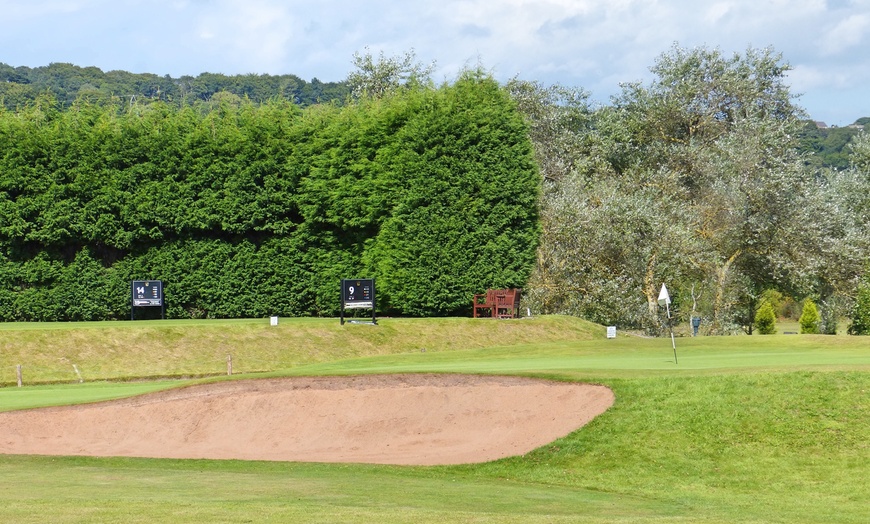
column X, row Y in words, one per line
column 138, row 490
column 742, row 429
column 64, row 394
column 629, row 357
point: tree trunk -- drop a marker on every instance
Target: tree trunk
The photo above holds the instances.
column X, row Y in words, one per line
column 649, row 289
column 719, row 306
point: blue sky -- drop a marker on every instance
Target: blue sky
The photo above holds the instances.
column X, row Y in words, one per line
column 593, row 44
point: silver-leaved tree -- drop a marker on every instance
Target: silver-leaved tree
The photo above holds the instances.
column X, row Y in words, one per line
column 692, row 179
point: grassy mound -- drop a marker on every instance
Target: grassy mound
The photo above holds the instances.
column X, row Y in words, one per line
column 68, row 352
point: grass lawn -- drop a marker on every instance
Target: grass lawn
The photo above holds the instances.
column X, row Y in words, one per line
column 741, row 429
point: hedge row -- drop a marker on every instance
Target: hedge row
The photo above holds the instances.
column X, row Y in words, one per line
column 248, row 210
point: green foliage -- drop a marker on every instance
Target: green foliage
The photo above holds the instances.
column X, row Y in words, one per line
column 861, row 311
column 784, row 306
column 250, row 210
column 810, row 320
column 765, row 319
column 829, row 317
column 378, row 77
column 465, row 214
column 859, row 152
column 827, row 147
column 774, row 297
column 68, row 83
column 692, row 179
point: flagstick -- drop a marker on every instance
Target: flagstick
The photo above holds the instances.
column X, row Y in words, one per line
column 665, row 300
column 671, row 327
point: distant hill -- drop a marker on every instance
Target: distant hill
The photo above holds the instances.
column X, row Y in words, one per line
column 19, row 85
column 829, row 145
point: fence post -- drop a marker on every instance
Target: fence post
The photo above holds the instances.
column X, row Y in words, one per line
column 76, row 368
column 18, row 372
column 229, row 364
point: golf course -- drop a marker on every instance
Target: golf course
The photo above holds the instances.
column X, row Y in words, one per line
column 750, row 429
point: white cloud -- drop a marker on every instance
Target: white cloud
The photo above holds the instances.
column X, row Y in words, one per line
column 251, row 36
column 716, row 12
column 847, row 33
column 594, row 44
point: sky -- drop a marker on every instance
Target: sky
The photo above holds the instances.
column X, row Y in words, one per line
column 591, row 44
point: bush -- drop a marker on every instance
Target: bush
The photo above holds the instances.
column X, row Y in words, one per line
column 861, row 312
column 810, row 318
column 765, row 319
column 828, row 312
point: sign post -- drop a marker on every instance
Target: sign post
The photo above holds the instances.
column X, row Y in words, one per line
column 146, row 293
column 665, row 300
column 358, row 293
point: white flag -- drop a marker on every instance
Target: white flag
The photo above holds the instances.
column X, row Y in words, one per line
column 664, row 298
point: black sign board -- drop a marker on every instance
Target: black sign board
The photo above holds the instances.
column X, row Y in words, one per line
column 358, row 293
column 146, row 293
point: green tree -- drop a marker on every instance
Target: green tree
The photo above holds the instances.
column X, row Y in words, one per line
column 810, row 319
column 376, row 77
column 68, row 82
column 561, row 122
column 704, row 157
column 465, row 216
column 829, row 316
column 828, row 147
column 765, row 319
column 844, row 203
column 860, row 324
column 859, row 155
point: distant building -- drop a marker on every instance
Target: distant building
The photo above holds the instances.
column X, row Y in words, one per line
column 820, row 124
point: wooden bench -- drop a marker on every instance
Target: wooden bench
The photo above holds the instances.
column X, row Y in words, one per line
column 484, row 303
column 507, row 305
column 497, row 303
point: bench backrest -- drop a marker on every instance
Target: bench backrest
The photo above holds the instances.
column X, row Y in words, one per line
column 507, row 297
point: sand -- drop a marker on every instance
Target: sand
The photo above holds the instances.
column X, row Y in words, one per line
column 413, row 419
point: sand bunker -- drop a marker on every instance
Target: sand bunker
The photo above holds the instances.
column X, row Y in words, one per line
column 383, row 419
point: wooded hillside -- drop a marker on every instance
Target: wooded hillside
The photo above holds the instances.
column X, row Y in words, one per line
column 66, row 83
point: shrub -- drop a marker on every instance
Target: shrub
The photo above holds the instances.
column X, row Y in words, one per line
column 810, row 318
column 828, row 313
column 765, row 319
column 784, row 306
column 861, row 312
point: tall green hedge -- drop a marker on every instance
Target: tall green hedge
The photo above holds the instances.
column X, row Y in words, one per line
column 248, row 210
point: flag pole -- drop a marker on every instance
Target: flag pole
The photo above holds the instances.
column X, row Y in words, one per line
column 671, row 327
column 665, row 300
